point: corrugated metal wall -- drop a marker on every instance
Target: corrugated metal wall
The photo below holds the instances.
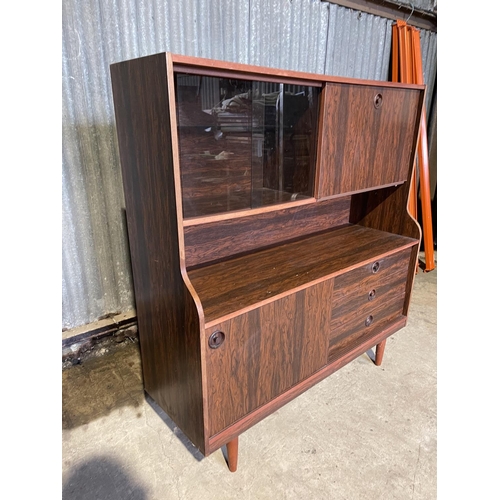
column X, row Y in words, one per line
column 306, row 35
column 427, row 5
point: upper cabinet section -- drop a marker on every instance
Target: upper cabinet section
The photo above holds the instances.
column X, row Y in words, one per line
column 367, row 139
column 253, row 139
column 243, row 143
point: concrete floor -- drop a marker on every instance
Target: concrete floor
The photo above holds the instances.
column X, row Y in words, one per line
column 365, row 432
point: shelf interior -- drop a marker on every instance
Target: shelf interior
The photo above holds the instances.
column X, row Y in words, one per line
column 244, row 144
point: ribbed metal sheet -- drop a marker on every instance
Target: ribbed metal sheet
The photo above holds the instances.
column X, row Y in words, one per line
column 359, row 44
column 428, row 45
column 289, row 34
column 306, row 35
column 427, row 5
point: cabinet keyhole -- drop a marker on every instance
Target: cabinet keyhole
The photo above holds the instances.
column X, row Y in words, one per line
column 369, row 320
column 216, row 339
column 371, row 295
column 375, row 267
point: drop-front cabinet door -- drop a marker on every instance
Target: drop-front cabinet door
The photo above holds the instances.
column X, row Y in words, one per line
column 366, row 138
column 265, row 352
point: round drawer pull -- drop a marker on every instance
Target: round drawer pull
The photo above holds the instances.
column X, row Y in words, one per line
column 377, row 101
column 375, row 267
column 369, row 320
column 216, row 339
column 371, row 294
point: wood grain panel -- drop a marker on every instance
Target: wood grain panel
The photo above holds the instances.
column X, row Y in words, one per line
column 391, row 270
column 385, row 209
column 349, row 327
column 364, row 146
column 230, row 286
column 168, row 321
column 266, row 352
column 352, row 304
column 384, row 317
column 222, row 239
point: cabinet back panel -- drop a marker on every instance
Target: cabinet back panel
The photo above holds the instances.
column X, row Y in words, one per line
column 222, row 239
column 364, row 146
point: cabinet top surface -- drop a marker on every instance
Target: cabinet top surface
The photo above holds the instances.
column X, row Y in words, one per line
column 238, row 283
column 182, row 62
column 196, row 64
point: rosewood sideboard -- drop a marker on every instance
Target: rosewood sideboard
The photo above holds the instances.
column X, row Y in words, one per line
column 269, row 235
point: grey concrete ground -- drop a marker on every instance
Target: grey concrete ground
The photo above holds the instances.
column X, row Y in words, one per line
column 365, row 432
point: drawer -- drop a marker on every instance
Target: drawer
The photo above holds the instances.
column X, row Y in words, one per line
column 379, row 274
column 366, row 300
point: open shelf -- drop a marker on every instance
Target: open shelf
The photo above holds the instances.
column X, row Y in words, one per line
column 242, row 283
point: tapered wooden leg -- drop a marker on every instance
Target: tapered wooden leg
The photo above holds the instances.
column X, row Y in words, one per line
column 232, row 454
column 379, row 353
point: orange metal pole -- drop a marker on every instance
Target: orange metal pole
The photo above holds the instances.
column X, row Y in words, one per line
column 409, row 54
column 413, row 198
column 400, row 29
column 423, row 160
column 403, row 75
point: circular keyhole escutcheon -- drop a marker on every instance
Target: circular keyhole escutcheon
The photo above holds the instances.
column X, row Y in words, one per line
column 369, row 320
column 216, row 339
column 377, row 101
column 375, row 267
column 371, row 294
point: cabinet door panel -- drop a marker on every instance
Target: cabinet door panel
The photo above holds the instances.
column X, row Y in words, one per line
column 368, row 135
column 266, row 351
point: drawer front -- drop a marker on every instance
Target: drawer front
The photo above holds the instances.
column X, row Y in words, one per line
column 366, row 300
column 368, row 136
column 264, row 352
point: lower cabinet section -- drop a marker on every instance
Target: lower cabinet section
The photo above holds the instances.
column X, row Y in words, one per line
column 265, row 352
column 258, row 355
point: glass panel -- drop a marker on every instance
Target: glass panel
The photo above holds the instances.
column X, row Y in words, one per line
column 244, row 144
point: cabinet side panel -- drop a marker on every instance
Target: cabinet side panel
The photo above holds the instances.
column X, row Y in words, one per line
column 385, row 210
column 169, row 325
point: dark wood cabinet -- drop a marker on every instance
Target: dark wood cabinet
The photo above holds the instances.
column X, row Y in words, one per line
column 269, row 236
